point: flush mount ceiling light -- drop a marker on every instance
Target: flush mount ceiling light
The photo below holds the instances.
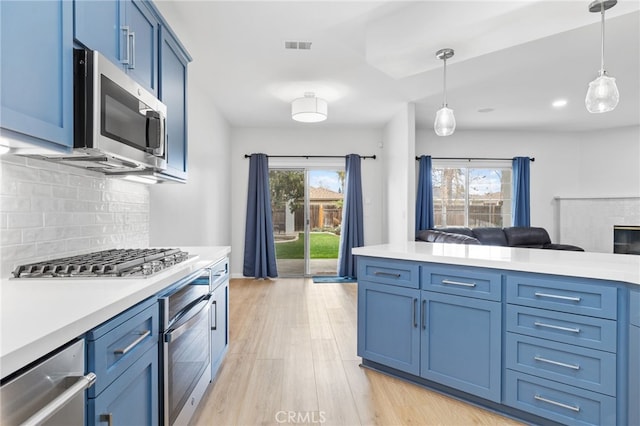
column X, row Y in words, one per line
column 602, row 95
column 445, row 123
column 309, row 109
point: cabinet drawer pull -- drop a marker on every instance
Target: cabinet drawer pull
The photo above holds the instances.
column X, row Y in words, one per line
column 449, row 282
column 557, row 327
column 557, row 296
column 133, row 344
column 558, row 404
column 415, row 306
column 424, row 314
column 560, row 364
column 386, row 274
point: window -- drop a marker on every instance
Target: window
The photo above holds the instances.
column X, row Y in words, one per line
column 475, row 197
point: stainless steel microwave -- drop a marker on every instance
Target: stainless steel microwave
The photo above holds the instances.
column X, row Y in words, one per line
column 119, row 126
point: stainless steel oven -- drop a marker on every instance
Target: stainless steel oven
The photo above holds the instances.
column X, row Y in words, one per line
column 186, row 346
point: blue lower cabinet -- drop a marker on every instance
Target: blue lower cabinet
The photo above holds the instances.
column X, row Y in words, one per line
column 123, row 352
column 132, row 399
column 388, row 331
column 559, row 402
column 461, row 343
column 634, row 375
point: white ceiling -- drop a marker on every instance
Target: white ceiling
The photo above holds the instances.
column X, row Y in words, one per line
column 368, row 59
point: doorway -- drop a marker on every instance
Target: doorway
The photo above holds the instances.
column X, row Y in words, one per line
column 306, row 211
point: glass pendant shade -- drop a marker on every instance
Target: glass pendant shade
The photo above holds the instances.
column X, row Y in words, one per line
column 602, row 95
column 445, row 123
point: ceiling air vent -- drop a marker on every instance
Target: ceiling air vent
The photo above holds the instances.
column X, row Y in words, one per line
column 299, row 45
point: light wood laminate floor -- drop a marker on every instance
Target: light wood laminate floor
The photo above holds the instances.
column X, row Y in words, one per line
column 292, row 360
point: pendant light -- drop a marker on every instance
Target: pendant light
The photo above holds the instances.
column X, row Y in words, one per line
column 445, row 123
column 602, row 95
column 309, row 109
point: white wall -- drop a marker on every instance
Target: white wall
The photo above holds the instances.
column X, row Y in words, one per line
column 197, row 213
column 565, row 163
column 49, row 210
column 399, row 166
column 305, row 140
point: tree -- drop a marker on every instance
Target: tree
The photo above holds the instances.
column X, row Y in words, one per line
column 287, row 186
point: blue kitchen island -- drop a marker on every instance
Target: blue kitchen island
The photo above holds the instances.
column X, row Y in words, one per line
column 539, row 335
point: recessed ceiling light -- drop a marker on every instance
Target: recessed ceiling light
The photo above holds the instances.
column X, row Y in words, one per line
column 485, row 110
column 559, row 103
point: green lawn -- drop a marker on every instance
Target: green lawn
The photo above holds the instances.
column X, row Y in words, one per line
column 323, row 246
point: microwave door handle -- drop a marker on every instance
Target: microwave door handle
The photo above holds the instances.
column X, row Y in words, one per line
column 153, row 133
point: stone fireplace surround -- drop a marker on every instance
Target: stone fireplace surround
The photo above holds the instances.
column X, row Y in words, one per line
column 589, row 222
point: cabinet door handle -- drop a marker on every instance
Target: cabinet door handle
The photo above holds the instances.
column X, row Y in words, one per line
column 133, row 344
column 107, row 418
column 215, row 315
column 132, row 38
column 556, row 403
column 449, row 282
column 557, row 327
column 557, row 296
column 558, row 363
column 424, row 314
column 415, row 306
column 386, row 274
column 125, row 30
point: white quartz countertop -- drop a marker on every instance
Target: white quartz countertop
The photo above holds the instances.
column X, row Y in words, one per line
column 605, row 266
column 39, row 315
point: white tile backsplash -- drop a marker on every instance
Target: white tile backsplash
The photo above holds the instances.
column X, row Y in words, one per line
column 49, row 210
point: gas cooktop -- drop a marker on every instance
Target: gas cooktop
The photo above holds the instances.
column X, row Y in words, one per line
column 137, row 263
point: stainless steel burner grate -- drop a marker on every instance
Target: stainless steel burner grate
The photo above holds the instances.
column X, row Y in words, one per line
column 106, row 263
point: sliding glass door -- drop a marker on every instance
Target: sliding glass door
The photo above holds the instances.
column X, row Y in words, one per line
column 307, row 217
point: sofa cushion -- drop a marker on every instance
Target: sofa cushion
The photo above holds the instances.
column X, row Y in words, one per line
column 491, row 236
column 458, row 230
column 521, row 236
column 434, row 236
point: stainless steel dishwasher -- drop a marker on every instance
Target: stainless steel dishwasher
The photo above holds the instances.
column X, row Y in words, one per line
column 51, row 392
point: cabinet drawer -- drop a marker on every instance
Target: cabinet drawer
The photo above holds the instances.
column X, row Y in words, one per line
column 117, row 344
column 555, row 401
column 461, row 281
column 219, row 273
column 576, row 366
column 394, row 272
column 634, row 306
column 596, row 333
column 562, row 294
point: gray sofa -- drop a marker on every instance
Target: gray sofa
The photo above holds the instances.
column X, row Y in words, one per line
column 516, row 236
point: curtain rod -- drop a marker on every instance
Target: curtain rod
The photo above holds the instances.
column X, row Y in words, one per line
column 471, row 159
column 364, row 157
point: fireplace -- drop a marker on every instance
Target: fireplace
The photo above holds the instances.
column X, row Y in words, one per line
column 626, row 239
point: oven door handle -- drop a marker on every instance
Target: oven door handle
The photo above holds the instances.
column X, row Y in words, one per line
column 174, row 333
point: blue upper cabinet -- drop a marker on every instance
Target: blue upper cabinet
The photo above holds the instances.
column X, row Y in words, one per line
column 173, row 93
column 36, row 71
column 125, row 31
